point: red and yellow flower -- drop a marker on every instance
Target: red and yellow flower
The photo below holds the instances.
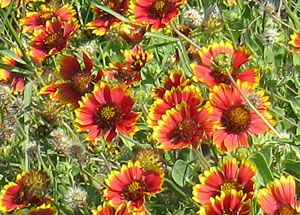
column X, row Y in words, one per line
column 131, row 185
column 156, row 13
column 295, row 40
column 129, row 71
column 27, row 189
column 104, row 21
column 232, row 202
column 231, row 175
column 190, row 95
column 175, row 79
column 52, row 39
column 17, row 81
column 217, row 59
column 180, row 127
column 279, row 197
column 107, row 209
column 106, row 111
column 37, row 20
column 75, row 81
column 44, row 209
column 132, row 34
column 233, row 119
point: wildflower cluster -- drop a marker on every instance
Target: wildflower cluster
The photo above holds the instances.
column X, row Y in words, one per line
column 134, row 107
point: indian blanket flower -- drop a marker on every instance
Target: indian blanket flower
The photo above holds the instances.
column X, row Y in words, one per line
column 180, row 127
column 17, row 81
column 230, row 175
column 295, row 40
column 190, row 95
column 27, row 189
column 44, row 209
column 103, row 20
column 232, row 202
column 156, row 13
column 175, row 79
column 279, row 197
column 76, row 81
column 129, row 71
column 37, row 20
column 220, row 57
column 106, row 111
column 51, row 40
column 107, row 209
column 132, row 34
column 131, row 185
column 233, row 120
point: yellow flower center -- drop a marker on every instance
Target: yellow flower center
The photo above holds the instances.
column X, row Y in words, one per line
column 228, row 186
column 108, row 112
column 236, row 119
column 108, row 115
column 110, row 4
column 45, row 17
column 185, row 131
column 82, row 82
column 134, row 191
column 55, row 40
column 133, row 187
column 287, row 210
column 159, row 5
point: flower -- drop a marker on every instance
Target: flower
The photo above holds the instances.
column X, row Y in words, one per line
column 51, row 40
column 4, row 3
column 131, row 185
column 193, row 18
column 37, row 20
column 28, row 189
column 181, row 127
column 156, row 13
column 230, row 3
column 220, row 57
column 129, row 72
column 107, row 209
column 76, row 197
column 75, row 81
column 232, row 117
column 295, row 39
column 175, row 79
column 104, row 20
column 17, row 81
column 44, row 209
column 279, row 197
column 190, row 95
column 231, row 175
column 132, row 34
column 232, row 202
column 105, row 111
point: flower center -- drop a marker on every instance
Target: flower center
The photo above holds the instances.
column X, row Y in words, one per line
column 55, row 40
column 20, row 197
column 236, row 119
column 82, row 82
column 185, row 131
column 108, row 115
column 228, row 186
column 287, row 210
column 220, row 64
column 134, row 191
column 160, row 9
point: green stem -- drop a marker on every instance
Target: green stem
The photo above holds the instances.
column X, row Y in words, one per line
column 201, row 158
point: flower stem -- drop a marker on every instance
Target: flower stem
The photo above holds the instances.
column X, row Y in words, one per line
column 201, row 158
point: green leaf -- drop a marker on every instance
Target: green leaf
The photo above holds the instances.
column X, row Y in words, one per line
column 264, row 171
column 161, row 36
column 180, row 171
column 28, row 94
column 12, row 55
column 292, row 167
column 110, row 11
